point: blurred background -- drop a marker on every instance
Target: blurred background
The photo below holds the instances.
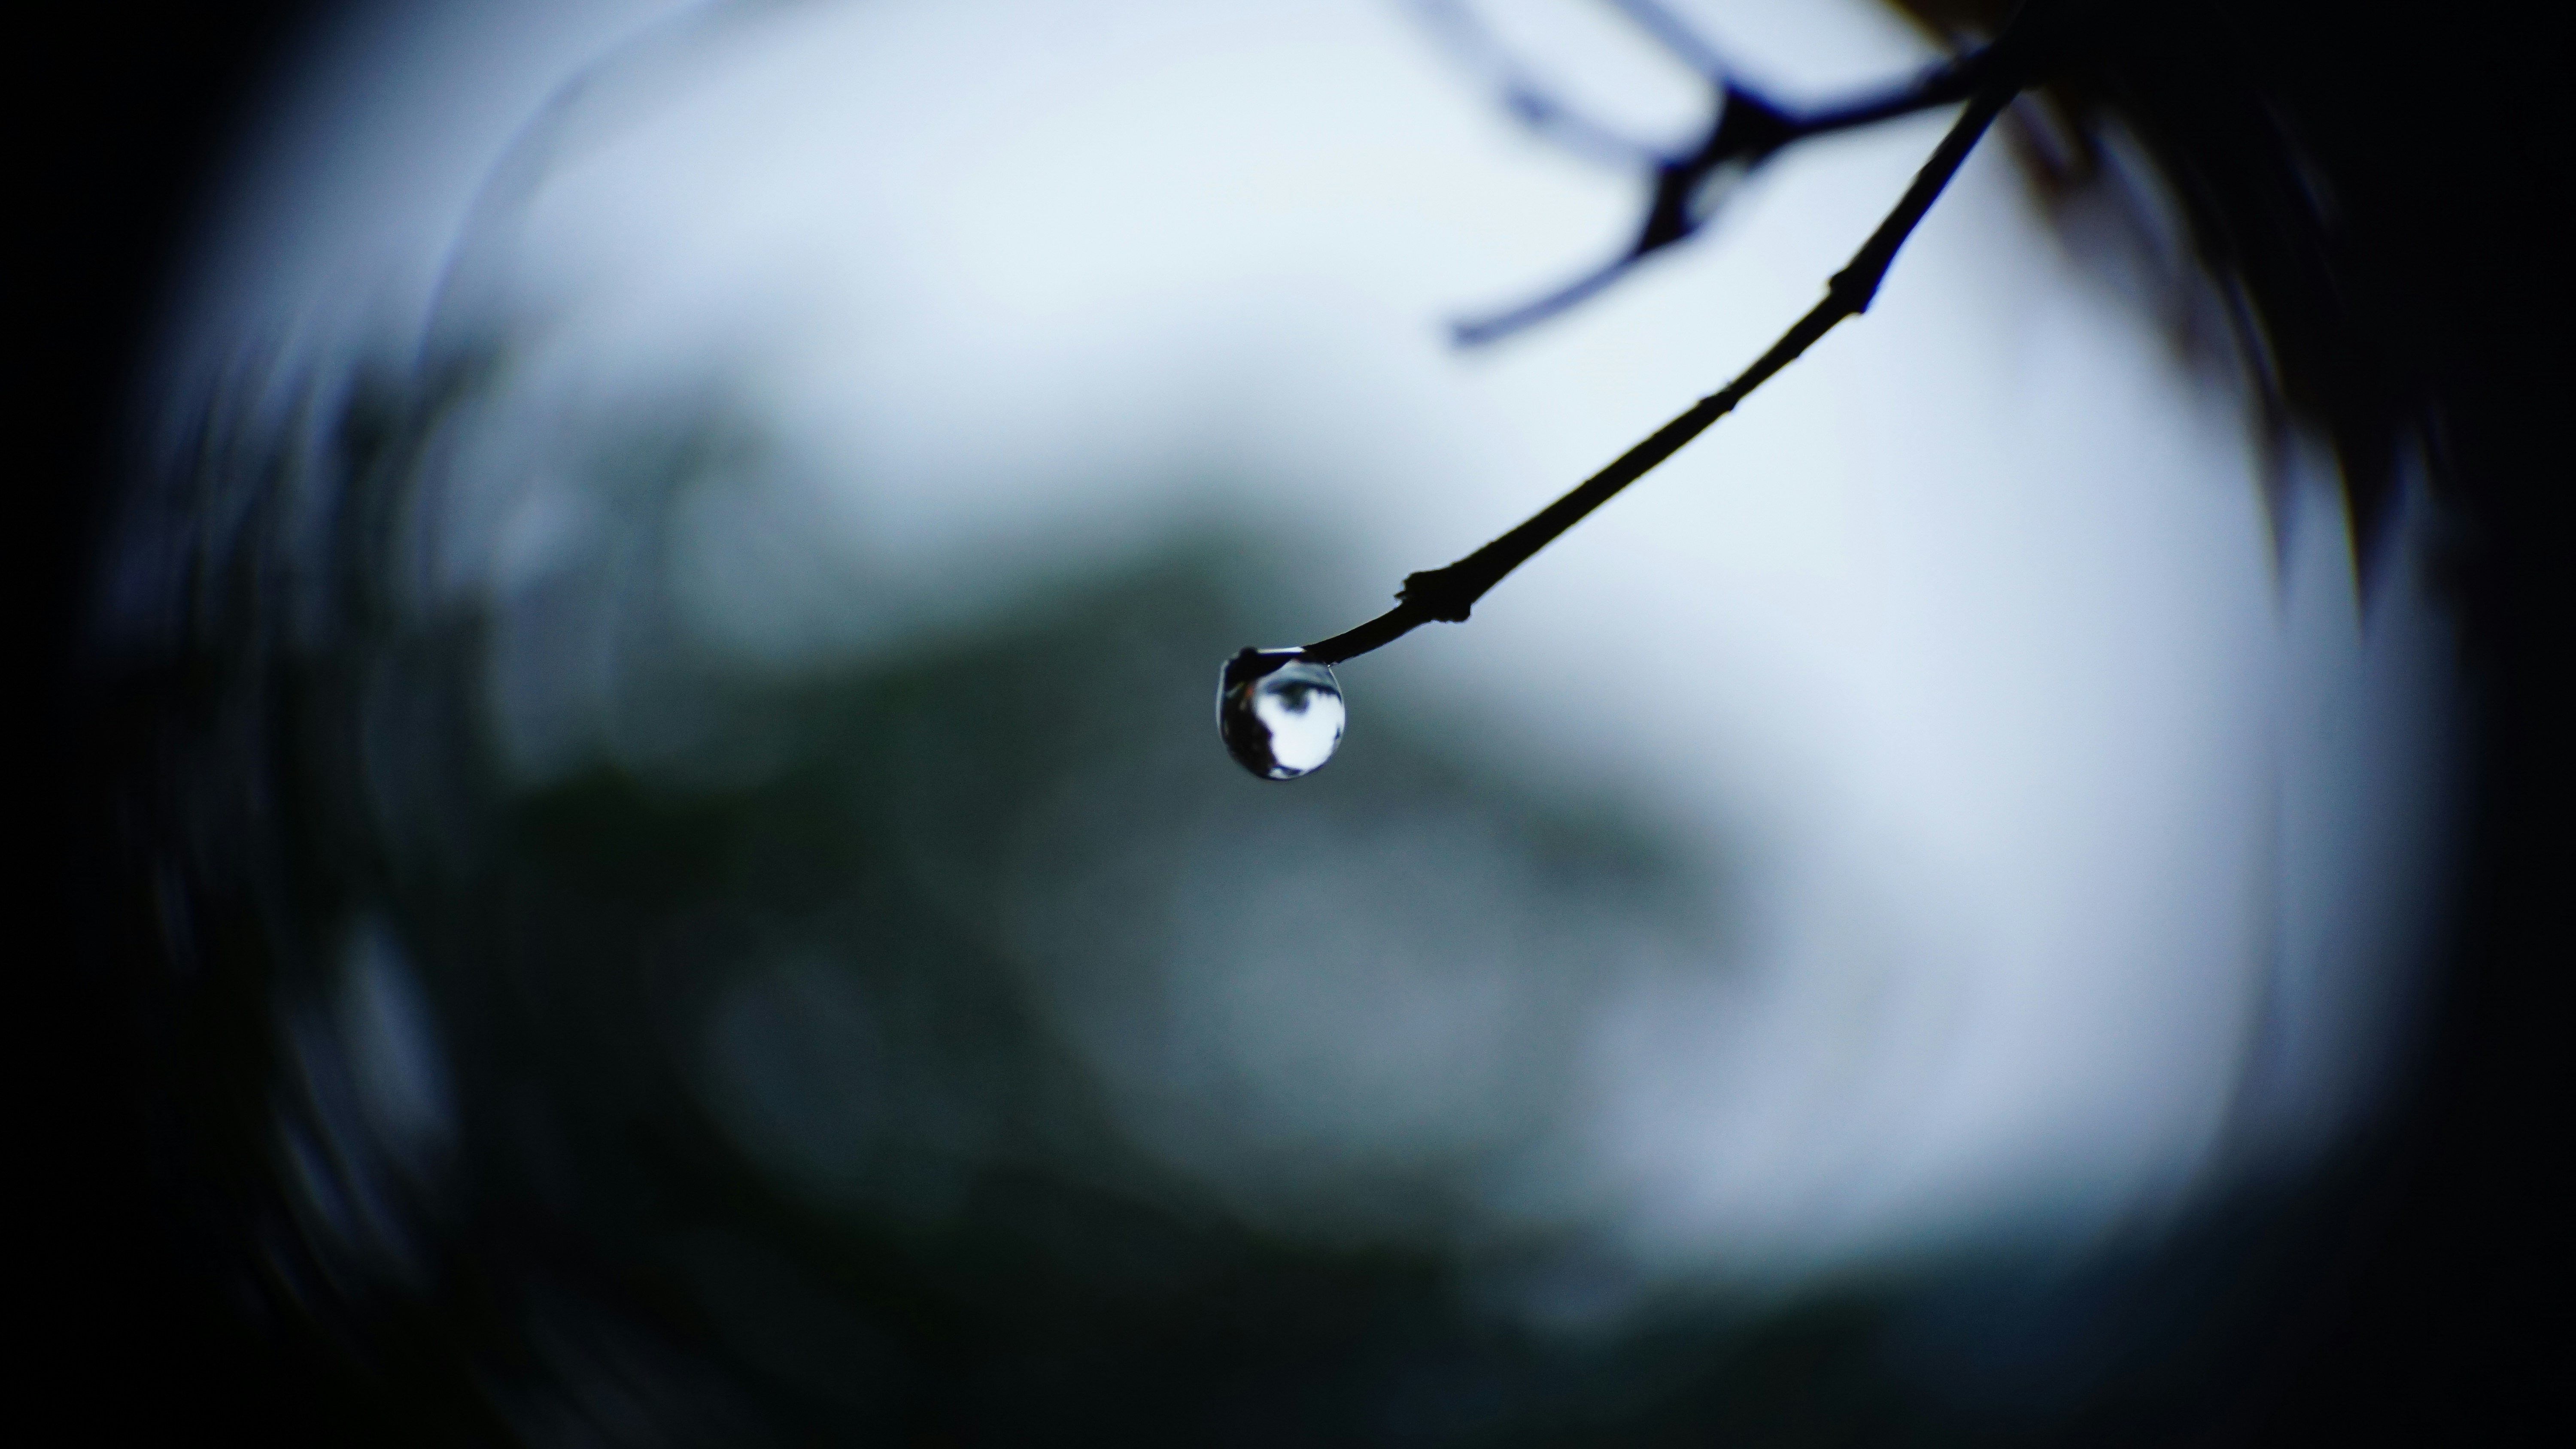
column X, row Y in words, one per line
column 640, row 594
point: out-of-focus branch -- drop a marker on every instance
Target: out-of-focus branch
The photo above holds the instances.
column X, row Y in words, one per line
column 1746, row 129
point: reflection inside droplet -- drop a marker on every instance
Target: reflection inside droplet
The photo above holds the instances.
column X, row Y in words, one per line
column 1279, row 712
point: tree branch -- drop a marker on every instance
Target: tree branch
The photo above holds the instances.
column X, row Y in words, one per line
column 1447, row 594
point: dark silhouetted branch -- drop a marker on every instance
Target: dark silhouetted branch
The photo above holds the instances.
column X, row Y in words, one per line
column 1997, row 73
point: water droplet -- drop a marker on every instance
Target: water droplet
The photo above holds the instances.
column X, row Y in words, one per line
column 1279, row 712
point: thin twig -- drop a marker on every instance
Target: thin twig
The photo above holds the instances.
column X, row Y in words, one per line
column 1669, row 32
column 1524, row 98
column 1447, row 594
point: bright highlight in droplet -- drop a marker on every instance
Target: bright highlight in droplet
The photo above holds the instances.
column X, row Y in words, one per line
column 1279, row 713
